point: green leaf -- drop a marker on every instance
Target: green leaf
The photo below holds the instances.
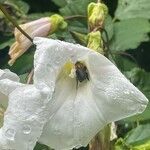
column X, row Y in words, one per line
column 75, row 7
column 128, row 34
column 60, row 3
column 79, row 38
column 108, row 25
column 124, row 63
column 24, row 63
column 139, row 135
column 19, row 5
column 77, row 26
column 144, row 146
column 141, row 79
column 65, row 36
column 121, row 145
column 133, row 9
column 41, row 147
column 6, row 43
column 2, row 1
column 34, row 16
column 23, row 78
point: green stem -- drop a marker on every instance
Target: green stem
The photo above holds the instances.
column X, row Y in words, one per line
column 114, row 19
column 14, row 22
column 73, row 17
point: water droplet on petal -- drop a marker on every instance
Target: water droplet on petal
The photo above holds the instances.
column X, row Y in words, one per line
column 132, row 92
column 126, row 92
column 26, row 129
column 57, row 131
column 141, row 108
column 10, row 134
column 79, row 145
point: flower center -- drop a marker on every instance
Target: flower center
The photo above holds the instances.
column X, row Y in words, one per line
column 76, row 70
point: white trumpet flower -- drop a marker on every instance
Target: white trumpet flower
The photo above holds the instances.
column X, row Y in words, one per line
column 58, row 111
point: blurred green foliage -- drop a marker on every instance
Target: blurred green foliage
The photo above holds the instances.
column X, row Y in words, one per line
column 128, row 28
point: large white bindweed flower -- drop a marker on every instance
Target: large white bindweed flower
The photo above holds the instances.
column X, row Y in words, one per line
column 57, row 111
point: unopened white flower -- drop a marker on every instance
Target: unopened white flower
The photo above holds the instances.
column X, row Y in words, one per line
column 40, row 27
column 57, row 111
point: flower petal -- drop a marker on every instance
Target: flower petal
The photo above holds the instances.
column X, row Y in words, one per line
column 77, row 120
column 25, row 117
column 115, row 96
column 78, row 114
column 6, row 74
column 49, row 58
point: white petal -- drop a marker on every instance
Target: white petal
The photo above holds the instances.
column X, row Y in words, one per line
column 78, row 119
column 25, row 117
column 115, row 96
column 49, row 58
column 80, row 114
column 7, row 86
column 6, row 74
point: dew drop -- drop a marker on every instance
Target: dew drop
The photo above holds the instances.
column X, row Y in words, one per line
column 57, row 131
column 79, row 145
column 43, row 119
column 40, row 86
column 141, row 108
column 52, row 84
column 126, row 92
column 58, row 59
column 10, row 134
column 126, row 125
column 132, row 92
column 26, row 129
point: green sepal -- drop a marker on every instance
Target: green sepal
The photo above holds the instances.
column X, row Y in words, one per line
column 97, row 13
column 95, row 41
column 57, row 22
column 79, row 37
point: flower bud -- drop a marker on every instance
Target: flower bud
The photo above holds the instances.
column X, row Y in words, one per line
column 79, row 37
column 97, row 13
column 95, row 41
column 41, row 28
column 57, row 22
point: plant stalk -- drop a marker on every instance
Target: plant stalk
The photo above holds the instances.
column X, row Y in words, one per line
column 2, row 8
column 73, row 17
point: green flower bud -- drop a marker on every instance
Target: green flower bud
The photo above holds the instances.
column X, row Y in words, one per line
column 79, row 37
column 97, row 13
column 57, row 22
column 95, row 41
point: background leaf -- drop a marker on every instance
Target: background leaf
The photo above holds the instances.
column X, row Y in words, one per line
column 108, row 25
column 133, row 9
column 23, row 64
column 19, row 5
column 128, row 34
column 75, row 7
column 138, row 135
column 60, row 3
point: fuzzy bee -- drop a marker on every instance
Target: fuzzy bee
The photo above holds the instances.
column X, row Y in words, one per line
column 81, row 72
